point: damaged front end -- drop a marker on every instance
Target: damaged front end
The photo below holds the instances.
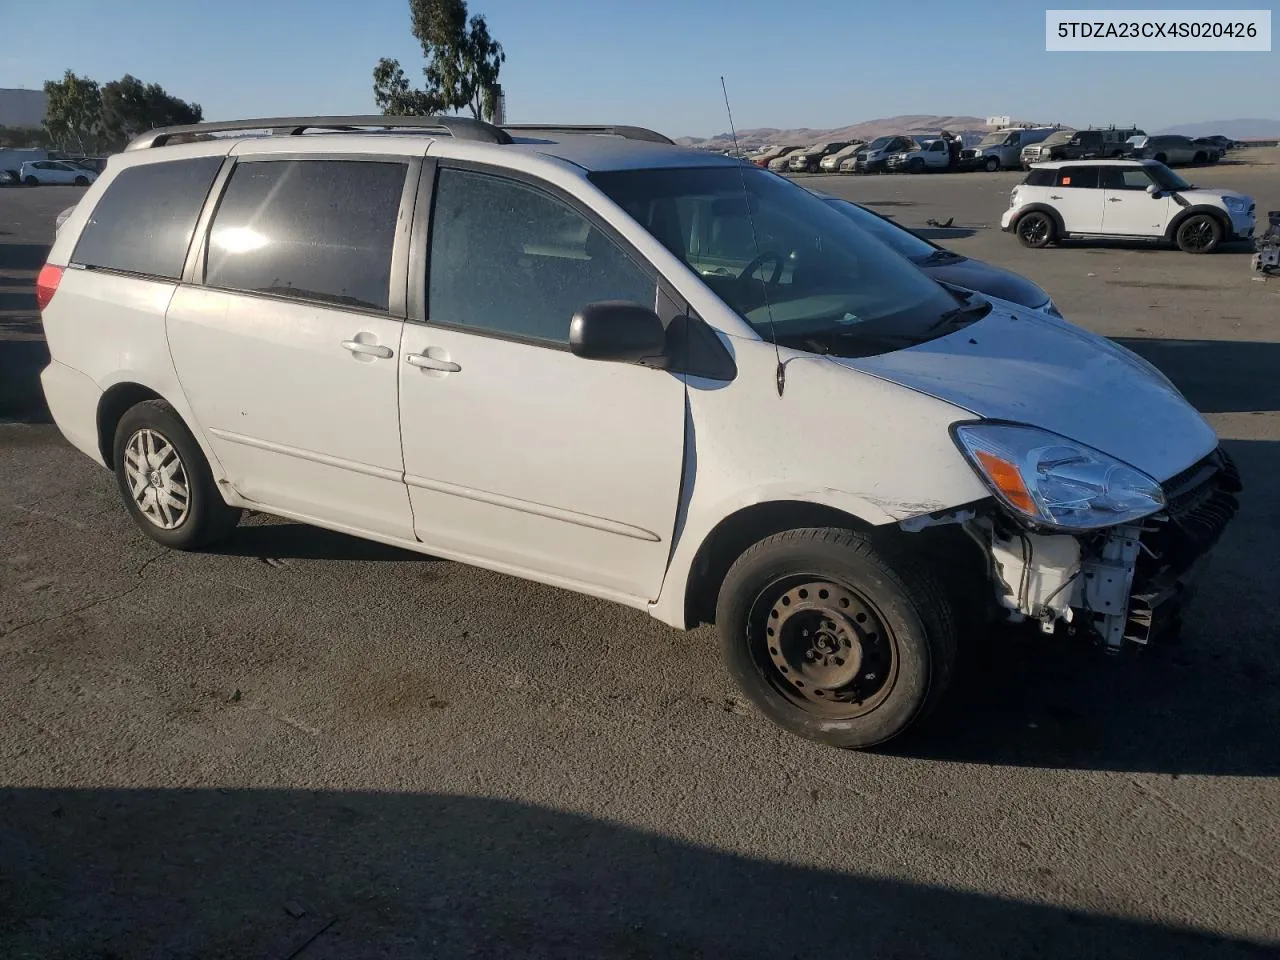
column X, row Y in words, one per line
column 1126, row 583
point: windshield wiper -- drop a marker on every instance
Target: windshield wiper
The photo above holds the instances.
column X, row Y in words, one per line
column 961, row 316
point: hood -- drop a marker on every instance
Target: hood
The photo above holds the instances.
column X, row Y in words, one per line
column 992, row 281
column 1212, row 195
column 1034, row 369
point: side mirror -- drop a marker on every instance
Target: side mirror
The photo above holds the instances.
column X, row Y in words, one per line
column 1153, row 189
column 618, row 331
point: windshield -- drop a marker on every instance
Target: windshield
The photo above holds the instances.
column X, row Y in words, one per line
column 1062, row 136
column 992, row 140
column 879, row 143
column 1166, row 178
column 900, row 238
column 783, row 259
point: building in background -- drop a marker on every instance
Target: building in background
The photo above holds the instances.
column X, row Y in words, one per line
column 21, row 108
column 499, row 105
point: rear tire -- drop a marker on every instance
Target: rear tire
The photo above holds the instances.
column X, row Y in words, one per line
column 834, row 641
column 82, row 181
column 1161, row 158
column 1199, row 234
column 165, row 480
column 1200, row 158
column 1036, row 230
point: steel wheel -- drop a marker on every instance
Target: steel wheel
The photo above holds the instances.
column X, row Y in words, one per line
column 157, row 479
column 824, row 647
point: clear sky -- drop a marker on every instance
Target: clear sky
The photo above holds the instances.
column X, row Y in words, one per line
column 657, row 63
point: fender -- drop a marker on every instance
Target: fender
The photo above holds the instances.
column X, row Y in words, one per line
column 1039, row 208
column 1188, row 210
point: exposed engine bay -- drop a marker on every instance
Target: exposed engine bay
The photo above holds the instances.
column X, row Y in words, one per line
column 1119, row 585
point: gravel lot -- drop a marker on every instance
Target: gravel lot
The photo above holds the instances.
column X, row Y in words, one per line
column 304, row 745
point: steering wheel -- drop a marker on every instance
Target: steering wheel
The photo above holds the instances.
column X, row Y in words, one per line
column 778, row 263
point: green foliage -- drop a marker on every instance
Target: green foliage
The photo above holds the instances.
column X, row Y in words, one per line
column 81, row 116
column 21, row 137
column 73, row 115
column 463, row 63
column 130, row 107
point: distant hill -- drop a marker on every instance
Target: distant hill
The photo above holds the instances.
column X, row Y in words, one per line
column 1235, row 129
column 911, row 124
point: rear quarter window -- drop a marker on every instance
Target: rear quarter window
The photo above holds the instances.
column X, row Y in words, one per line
column 144, row 221
column 1040, row 178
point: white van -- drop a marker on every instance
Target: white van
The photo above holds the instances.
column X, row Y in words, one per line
column 655, row 375
column 1002, row 149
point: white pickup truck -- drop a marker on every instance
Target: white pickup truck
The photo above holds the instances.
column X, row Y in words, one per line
column 932, row 154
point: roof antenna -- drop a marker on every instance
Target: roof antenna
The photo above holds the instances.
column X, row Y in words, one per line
column 755, row 241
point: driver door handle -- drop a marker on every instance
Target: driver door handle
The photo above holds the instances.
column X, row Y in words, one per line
column 1115, row 199
column 1054, row 196
column 431, row 363
column 369, row 349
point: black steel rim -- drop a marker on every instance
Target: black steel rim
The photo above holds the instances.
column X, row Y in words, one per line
column 1198, row 234
column 1035, row 229
column 823, row 647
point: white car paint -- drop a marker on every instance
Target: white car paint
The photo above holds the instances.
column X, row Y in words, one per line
column 609, row 481
column 1100, row 211
column 47, row 172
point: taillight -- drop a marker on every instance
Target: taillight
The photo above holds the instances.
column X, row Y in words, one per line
column 47, row 285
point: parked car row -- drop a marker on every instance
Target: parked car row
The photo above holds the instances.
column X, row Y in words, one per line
column 1009, row 148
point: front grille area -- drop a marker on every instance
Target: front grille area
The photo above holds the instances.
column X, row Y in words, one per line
column 1201, row 502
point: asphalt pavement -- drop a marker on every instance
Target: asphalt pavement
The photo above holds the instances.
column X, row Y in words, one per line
column 305, row 745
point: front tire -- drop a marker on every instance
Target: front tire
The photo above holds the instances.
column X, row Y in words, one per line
column 31, row 181
column 82, row 181
column 165, row 480
column 1036, row 230
column 832, row 640
column 992, row 164
column 1199, row 234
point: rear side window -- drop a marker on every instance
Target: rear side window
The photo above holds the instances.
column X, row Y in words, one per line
column 319, row 230
column 1041, row 178
column 1086, row 177
column 144, row 221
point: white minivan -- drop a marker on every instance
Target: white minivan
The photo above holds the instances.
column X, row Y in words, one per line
column 646, row 373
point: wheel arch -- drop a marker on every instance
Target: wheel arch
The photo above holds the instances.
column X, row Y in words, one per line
column 737, row 531
column 1187, row 213
column 114, row 403
column 1040, row 208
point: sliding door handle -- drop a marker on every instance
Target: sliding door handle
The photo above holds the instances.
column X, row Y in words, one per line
column 424, row 362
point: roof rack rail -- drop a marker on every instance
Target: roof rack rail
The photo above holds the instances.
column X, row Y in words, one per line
column 629, row 133
column 461, row 128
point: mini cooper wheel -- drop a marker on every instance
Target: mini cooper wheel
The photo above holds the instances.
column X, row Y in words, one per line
column 165, row 481
column 1199, row 234
column 833, row 642
column 1036, row 230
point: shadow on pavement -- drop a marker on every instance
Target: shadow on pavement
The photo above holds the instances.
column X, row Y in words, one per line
column 299, row 541
column 1217, row 376
column 23, row 353
column 298, row 873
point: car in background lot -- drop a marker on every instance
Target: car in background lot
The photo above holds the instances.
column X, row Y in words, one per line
column 810, row 158
column 1078, row 145
column 1002, row 149
column 782, row 162
column 1127, row 199
column 874, row 157
column 1215, row 150
column 832, row 161
column 946, row 265
column 765, row 157
column 1171, row 150
column 44, row 172
column 931, row 154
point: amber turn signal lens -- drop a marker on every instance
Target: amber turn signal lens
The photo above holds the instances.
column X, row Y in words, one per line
column 1006, row 478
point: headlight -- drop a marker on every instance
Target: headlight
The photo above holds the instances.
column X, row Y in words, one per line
column 1236, row 204
column 1057, row 482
